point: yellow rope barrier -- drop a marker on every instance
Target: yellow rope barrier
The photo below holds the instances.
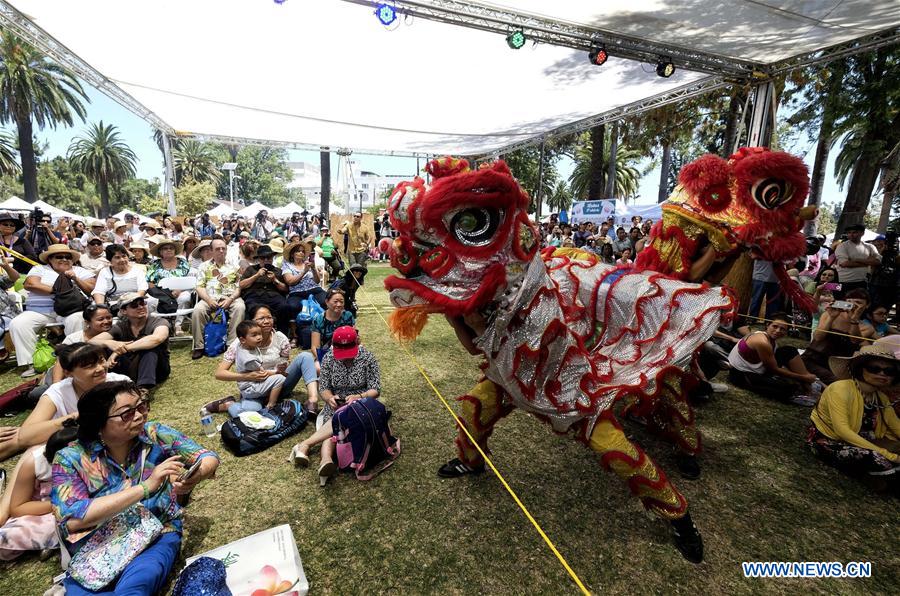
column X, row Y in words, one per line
column 813, row 329
column 487, row 460
column 19, row 256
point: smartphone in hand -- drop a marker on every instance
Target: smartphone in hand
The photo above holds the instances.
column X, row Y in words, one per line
column 190, row 471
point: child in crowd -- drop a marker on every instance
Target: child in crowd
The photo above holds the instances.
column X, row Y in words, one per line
column 267, row 387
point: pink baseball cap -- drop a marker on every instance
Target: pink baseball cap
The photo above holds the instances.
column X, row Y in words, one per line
column 345, row 343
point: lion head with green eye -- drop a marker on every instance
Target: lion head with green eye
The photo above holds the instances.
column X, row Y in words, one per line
column 461, row 240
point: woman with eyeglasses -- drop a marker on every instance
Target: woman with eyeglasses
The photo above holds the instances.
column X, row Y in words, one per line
column 39, row 312
column 853, row 420
column 10, row 236
column 324, row 324
column 275, row 353
column 85, row 367
column 121, row 460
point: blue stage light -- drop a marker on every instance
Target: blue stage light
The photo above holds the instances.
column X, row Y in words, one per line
column 386, row 13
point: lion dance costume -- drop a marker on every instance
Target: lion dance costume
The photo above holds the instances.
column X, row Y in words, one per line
column 564, row 337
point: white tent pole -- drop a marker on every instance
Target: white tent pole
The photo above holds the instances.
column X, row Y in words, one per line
column 170, row 173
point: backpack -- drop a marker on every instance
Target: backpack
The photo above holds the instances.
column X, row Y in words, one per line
column 364, row 440
column 289, row 417
column 215, row 332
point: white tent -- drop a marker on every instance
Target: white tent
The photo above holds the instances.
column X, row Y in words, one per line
column 16, row 204
column 56, row 212
column 121, row 216
column 287, row 210
column 221, row 210
column 422, row 86
column 252, row 209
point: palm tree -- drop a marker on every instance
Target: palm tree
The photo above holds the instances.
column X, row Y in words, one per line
column 8, row 163
column 34, row 89
column 104, row 158
column 627, row 175
column 561, row 197
column 196, row 160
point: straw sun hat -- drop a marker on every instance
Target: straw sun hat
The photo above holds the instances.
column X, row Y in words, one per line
column 841, row 365
column 163, row 243
column 56, row 249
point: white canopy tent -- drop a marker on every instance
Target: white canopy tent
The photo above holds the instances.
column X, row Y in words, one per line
column 250, row 211
column 55, row 212
column 425, row 87
column 16, row 204
column 221, row 210
column 287, row 210
column 121, row 216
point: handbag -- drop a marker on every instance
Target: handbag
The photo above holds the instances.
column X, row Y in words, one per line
column 112, row 304
column 67, row 297
column 167, row 303
column 215, row 332
column 44, row 357
column 115, row 544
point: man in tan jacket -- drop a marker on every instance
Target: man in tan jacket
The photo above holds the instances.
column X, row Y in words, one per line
column 360, row 240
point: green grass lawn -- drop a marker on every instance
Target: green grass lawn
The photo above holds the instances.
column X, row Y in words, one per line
column 762, row 497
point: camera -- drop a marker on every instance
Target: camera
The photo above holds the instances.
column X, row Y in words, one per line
column 270, row 267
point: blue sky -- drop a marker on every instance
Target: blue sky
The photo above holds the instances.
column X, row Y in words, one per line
column 139, row 136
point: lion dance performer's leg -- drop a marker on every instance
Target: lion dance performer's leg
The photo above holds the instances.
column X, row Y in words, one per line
column 673, row 416
column 481, row 409
column 644, row 478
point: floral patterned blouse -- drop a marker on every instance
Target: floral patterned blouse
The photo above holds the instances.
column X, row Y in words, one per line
column 81, row 473
column 156, row 271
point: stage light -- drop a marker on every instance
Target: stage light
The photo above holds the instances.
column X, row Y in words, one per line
column 598, row 55
column 386, row 13
column 516, row 39
column 664, row 67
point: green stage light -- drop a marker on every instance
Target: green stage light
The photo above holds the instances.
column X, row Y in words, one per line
column 516, row 39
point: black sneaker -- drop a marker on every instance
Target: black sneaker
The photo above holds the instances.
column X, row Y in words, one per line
column 455, row 468
column 687, row 539
column 688, row 466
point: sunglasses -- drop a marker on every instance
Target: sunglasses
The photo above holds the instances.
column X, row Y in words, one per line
column 142, row 407
column 890, row 371
column 137, row 304
column 62, row 257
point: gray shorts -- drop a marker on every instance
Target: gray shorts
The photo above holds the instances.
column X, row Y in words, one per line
column 260, row 390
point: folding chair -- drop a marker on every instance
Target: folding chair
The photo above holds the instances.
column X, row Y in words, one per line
column 180, row 284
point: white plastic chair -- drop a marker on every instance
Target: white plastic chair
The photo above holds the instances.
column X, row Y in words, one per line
column 180, row 284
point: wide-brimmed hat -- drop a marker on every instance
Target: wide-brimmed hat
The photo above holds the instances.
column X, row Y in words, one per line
column 345, row 343
column 57, row 249
column 277, row 244
column 265, row 251
column 7, row 216
column 286, row 253
column 165, row 242
column 195, row 254
column 119, row 224
column 841, row 365
column 97, row 223
column 94, row 239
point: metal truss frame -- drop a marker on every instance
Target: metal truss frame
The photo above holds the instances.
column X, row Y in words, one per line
column 228, row 140
column 27, row 29
column 701, row 87
column 565, row 34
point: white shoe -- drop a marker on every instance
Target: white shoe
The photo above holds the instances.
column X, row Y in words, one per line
column 719, row 387
column 29, row 372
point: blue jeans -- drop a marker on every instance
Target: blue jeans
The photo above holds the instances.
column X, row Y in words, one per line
column 145, row 575
column 303, row 366
column 772, row 292
column 245, row 405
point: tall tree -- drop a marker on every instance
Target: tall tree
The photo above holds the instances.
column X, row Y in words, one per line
column 62, row 186
column 611, row 161
column 595, row 175
column 264, row 175
column 872, row 127
column 325, row 171
column 197, row 161
column 627, row 177
column 32, row 88
column 104, row 158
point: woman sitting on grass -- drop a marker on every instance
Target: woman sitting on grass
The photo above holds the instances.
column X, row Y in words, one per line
column 852, row 421
column 324, row 324
column 349, row 372
column 122, row 459
column 274, row 350
column 759, row 365
column 31, row 525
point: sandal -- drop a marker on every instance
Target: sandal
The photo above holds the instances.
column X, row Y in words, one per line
column 312, row 408
column 298, row 457
column 215, row 406
column 326, row 471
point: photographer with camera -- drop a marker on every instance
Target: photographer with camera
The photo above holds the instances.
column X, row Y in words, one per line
column 263, row 284
column 837, row 333
column 40, row 231
column 261, row 227
column 296, row 225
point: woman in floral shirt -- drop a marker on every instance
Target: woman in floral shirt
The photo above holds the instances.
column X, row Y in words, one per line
column 120, row 460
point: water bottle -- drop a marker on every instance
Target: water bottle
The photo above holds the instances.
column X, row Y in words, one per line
column 206, row 423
